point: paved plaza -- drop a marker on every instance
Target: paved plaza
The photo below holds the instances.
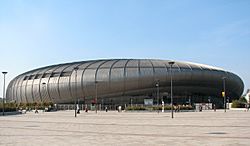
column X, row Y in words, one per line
column 126, row 128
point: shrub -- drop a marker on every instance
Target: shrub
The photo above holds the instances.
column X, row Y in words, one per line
column 166, row 107
column 238, row 104
column 8, row 107
column 135, row 108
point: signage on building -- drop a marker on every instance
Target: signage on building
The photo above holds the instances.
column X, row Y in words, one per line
column 148, row 101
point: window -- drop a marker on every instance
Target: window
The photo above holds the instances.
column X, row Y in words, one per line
column 55, row 74
column 65, row 74
column 45, row 75
column 25, row 78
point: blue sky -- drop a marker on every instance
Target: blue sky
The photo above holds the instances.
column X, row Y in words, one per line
column 39, row 33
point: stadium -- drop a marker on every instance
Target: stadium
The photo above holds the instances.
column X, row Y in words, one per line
column 124, row 81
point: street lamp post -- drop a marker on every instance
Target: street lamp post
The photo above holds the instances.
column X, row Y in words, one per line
column 96, row 83
column 157, row 86
column 171, row 63
column 75, row 69
column 4, row 73
column 224, row 92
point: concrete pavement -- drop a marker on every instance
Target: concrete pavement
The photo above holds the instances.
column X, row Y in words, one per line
column 127, row 128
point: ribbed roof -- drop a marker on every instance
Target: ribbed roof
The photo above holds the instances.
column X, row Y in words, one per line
column 116, row 63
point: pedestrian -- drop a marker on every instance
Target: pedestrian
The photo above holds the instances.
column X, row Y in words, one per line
column 36, row 111
column 106, row 108
column 78, row 109
column 247, row 107
column 119, row 108
column 200, row 108
column 179, row 108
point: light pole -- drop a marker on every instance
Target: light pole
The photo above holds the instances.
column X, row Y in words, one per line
column 4, row 73
column 96, row 83
column 157, row 86
column 224, row 92
column 171, row 63
column 75, row 69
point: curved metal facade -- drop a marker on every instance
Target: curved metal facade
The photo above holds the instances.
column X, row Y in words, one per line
column 64, row 83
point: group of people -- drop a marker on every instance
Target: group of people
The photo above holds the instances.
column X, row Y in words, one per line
column 177, row 108
column 86, row 109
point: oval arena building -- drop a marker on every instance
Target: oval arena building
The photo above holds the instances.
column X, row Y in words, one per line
column 119, row 81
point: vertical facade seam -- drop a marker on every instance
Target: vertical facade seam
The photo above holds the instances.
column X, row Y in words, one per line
column 84, row 69
column 152, row 68
column 124, row 76
column 18, row 82
column 48, row 86
column 32, row 86
column 96, row 72
column 58, row 84
column 39, row 89
column 110, row 72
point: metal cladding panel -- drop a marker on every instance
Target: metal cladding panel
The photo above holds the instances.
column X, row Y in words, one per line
column 44, row 90
column 53, row 88
column 108, row 64
column 133, row 63
column 197, row 74
column 36, row 92
column 29, row 91
column 237, row 89
column 61, row 68
column 96, row 64
column 158, row 63
column 145, row 64
column 13, row 86
column 187, row 74
column 64, row 88
column 213, row 76
column 146, row 77
column 183, row 66
column 9, row 91
column 76, row 84
column 44, row 93
column 23, row 90
column 80, row 87
column 71, row 67
column 17, row 90
column 193, row 66
column 120, row 64
column 161, row 74
column 132, row 78
column 207, row 75
column 114, row 77
column 183, row 75
column 71, row 77
column 89, row 82
column 103, row 80
column 85, row 64
column 219, row 75
column 117, row 79
column 33, row 92
column 51, row 69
